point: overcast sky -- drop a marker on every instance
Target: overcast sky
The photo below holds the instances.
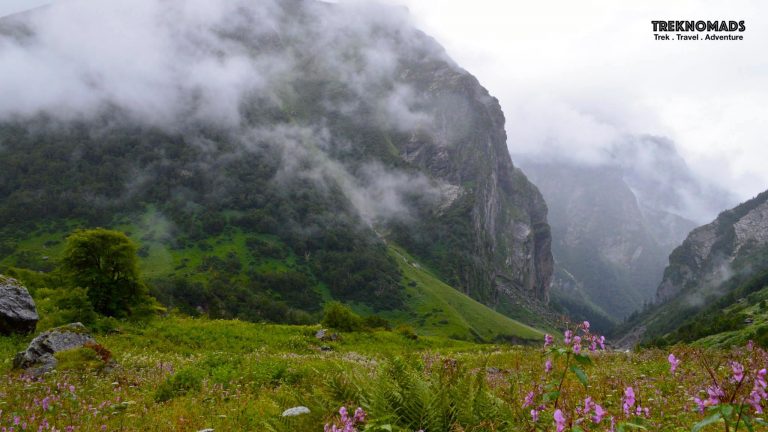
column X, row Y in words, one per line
column 573, row 76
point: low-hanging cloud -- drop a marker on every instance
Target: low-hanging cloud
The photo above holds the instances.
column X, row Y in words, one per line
column 176, row 65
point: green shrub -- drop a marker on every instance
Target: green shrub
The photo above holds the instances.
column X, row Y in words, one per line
column 376, row 322
column 406, row 331
column 340, row 317
column 63, row 306
column 182, row 382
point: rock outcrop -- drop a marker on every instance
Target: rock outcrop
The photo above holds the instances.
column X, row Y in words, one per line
column 39, row 358
column 714, row 252
column 18, row 313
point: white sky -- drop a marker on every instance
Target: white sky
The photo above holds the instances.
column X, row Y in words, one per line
column 573, row 75
column 8, row 7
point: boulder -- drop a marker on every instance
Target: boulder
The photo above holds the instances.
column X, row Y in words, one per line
column 39, row 358
column 18, row 313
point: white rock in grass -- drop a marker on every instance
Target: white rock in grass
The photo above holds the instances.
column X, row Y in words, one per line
column 206, row 430
column 295, row 411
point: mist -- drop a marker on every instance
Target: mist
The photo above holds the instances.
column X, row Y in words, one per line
column 182, row 65
column 577, row 80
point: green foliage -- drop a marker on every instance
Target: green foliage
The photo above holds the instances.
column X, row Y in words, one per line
column 63, row 306
column 406, row 331
column 79, row 359
column 104, row 262
column 180, row 383
column 340, row 317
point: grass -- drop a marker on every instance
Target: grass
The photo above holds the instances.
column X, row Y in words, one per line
column 438, row 309
column 184, row 374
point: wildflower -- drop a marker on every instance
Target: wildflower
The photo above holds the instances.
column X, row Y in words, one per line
column 715, row 393
column 529, row 399
column 534, row 415
column 601, row 341
column 548, row 366
column 548, row 340
column 568, row 335
column 754, row 400
column 673, row 363
column 701, row 404
column 359, row 415
column 576, row 344
column 599, row 414
column 738, row 371
column 559, row 420
column 629, row 399
column 585, row 325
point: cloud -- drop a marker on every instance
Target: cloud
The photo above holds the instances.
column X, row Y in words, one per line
column 184, row 65
column 571, row 76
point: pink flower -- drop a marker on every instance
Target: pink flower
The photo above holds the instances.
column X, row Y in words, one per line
column 534, row 415
column 568, row 336
column 576, row 344
column 585, row 325
column 559, row 420
column 715, row 393
column 529, row 399
column 701, row 404
column 754, row 400
column 548, row 340
column 629, row 399
column 548, row 366
column 601, row 341
column 359, row 415
column 738, row 371
column 673, row 363
column 599, row 414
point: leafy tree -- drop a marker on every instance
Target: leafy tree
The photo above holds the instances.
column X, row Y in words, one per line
column 104, row 262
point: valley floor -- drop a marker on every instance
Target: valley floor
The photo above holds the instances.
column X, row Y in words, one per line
column 183, row 374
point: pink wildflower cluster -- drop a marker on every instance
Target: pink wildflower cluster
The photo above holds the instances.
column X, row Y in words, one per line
column 346, row 422
column 575, row 340
column 673, row 363
column 631, row 406
column 738, row 380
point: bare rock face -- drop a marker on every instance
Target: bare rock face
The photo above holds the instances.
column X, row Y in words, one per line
column 39, row 358
column 707, row 257
column 17, row 309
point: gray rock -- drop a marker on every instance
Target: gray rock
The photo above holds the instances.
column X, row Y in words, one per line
column 296, row 411
column 17, row 309
column 39, row 358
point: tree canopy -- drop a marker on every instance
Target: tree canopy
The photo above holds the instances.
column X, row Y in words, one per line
column 105, row 263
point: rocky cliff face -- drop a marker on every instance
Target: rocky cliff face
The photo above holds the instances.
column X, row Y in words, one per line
column 714, row 252
column 508, row 252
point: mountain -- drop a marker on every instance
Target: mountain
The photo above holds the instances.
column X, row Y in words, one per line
column 268, row 156
column 718, row 272
column 615, row 221
column 603, row 237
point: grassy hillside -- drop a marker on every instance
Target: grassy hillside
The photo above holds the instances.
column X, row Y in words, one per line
column 239, row 257
column 437, row 309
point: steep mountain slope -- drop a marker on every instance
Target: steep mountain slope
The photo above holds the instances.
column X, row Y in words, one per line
column 611, row 249
column 718, row 266
column 264, row 151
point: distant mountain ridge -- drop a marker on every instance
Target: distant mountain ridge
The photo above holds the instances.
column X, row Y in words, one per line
column 615, row 222
column 718, row 265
